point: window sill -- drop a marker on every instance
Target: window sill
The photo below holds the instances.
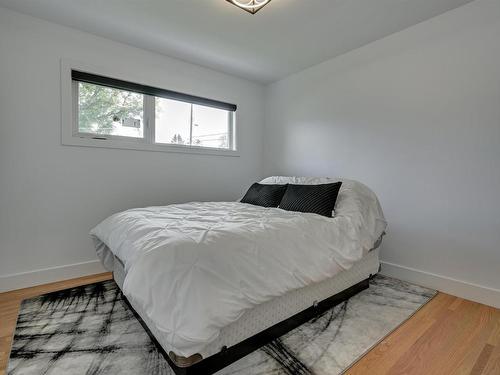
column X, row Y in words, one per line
column 143, row 146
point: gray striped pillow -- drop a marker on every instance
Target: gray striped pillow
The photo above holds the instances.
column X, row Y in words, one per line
column 316, row 199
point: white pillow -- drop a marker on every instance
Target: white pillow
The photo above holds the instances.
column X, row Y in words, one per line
column 278, row 180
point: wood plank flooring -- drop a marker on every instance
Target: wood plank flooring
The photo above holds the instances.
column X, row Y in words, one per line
column 449, row 335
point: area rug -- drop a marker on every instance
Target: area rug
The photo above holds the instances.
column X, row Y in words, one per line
column 91, row 330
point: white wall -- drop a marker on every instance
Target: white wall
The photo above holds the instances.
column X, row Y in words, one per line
column 52, row 195
column 416, row 116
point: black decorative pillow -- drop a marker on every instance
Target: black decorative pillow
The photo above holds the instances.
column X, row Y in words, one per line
column 264, row 195
column 316, row 199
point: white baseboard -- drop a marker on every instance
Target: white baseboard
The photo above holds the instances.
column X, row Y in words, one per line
column 474, row 292
column 49, row 275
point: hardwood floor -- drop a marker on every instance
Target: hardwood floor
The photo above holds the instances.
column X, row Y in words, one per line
column 449, row 335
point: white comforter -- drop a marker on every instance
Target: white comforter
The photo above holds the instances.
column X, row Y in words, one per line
column 194, row 268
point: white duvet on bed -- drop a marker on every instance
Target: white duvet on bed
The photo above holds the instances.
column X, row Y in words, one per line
column 194, row 268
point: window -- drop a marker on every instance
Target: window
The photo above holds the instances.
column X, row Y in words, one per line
column 104, row 111
column 191, row 124
column 108, row 112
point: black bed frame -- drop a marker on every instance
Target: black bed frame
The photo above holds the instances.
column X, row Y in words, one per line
column 229, row 355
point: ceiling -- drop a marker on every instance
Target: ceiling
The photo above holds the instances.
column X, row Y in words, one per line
column 285, row 37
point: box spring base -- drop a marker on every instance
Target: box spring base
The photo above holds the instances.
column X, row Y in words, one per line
column 229, row 355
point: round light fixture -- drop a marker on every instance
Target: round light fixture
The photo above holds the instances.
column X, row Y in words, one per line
column 251, row 6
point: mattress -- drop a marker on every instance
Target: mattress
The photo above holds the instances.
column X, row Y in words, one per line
column 266, row 314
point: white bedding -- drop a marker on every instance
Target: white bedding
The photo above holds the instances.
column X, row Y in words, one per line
column 195, row 268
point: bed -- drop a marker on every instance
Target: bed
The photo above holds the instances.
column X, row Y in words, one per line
column 213, row 281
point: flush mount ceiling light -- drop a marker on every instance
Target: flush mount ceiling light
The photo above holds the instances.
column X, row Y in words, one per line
column 251, row 6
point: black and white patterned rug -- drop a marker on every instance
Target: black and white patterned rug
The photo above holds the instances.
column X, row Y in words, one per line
column 91, row 330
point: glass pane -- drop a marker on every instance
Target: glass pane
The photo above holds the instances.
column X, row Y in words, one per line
column 173, row 120
column 107, row 111
column 210, row 127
